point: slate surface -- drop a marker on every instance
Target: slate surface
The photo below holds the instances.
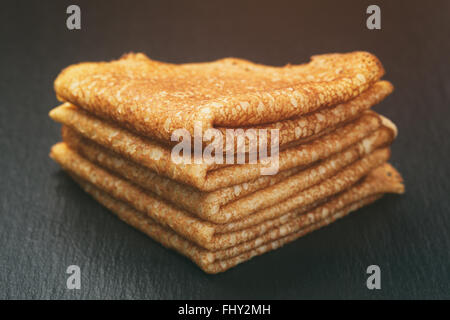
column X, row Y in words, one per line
column 48, row 223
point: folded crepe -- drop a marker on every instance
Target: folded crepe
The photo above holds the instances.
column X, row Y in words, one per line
column 384, row 179
column 119, row 119
column 202, row 176
column 307, row 127
column 231, row 203
column 155, row 98
column 206, row 234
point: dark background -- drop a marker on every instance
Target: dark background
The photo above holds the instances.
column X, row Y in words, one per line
column 48, row 223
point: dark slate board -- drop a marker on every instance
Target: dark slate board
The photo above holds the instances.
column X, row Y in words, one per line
column 48, row 223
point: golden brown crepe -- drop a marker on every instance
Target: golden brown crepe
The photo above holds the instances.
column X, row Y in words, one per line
column 204, row 233
column 158, row 157
column 155, row 98
column 118, row 119
column 384, row 179
column 221, row 205
column 307, row 127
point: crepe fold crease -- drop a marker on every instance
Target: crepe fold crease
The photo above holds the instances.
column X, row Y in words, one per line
column 155, row 98
column 384, row 179
column 158, row 158
column 118, row 120
column 197, row 230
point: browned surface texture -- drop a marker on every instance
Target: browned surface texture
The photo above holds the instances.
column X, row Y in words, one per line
column 157, row 98
column 381, row 180
column 243, row 198
column 331, row 141
column 302, row 128
column 307, row 127
column 158, row 158
column 204, row 233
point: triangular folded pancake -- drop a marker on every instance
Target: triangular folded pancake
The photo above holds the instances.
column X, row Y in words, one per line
column 158, row 158
column 384, row 179
column 219, row 206
column 155, row 98
column 206, row 234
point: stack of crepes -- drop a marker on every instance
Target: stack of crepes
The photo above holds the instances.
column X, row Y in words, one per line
column 118, row 119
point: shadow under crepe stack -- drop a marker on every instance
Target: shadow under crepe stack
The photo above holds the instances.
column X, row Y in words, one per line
column 118, row 118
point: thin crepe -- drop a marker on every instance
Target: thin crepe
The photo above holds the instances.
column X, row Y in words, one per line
column 223, row 205
column 310, row 126
column 155, row 98
column 158, row 158
column 206, row 234
column 307, row 127
column 384, row 179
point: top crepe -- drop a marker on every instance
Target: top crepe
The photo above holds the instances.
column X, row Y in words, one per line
column 155, row 98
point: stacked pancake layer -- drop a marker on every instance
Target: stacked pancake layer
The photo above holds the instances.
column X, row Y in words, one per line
column 118, row 118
